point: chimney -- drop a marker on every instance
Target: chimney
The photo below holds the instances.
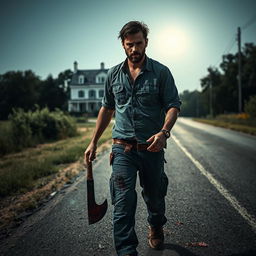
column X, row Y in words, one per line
column 75, row 66
column 102, row 65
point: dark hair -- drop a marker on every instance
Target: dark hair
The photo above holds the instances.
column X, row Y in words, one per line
column 133, row 27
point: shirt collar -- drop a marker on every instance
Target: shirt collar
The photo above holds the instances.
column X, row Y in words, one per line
column 146, row 66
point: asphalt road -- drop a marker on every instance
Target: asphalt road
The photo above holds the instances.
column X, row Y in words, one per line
column 211, row 199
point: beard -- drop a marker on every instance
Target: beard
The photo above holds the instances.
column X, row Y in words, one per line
column 135, row 57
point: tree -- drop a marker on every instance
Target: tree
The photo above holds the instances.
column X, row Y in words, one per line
column 249, row 72
column 52, row 95
column 23, row 89
column 250, row 106
column 18, row 90
column 225, row 82
column 63, row 80
column 209, row 86
column 192, row 104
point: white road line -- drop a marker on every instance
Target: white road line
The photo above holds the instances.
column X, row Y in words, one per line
column 241, row 210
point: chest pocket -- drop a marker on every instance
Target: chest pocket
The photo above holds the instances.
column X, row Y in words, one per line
column 119, row 93
column 149, row 95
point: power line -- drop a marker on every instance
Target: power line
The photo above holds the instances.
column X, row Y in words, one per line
column 233, row 39
column 230, row 45
column 228, row 48
column 249, row 23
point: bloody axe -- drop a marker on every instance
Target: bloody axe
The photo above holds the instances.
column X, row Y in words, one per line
column 95, row 212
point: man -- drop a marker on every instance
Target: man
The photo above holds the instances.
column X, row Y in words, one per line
column 142, row 93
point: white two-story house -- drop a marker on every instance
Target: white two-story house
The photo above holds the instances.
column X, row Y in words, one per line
column 87, row 89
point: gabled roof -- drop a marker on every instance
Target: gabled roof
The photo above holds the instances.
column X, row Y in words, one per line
column 89, row 76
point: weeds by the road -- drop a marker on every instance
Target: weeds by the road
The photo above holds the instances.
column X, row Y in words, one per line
column 27, row 129
column 238, row 122
column 41, row 169
column 18, row 172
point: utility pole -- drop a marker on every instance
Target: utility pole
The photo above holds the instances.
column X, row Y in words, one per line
column 211, row 100
column 197, row 103
column 239, row 71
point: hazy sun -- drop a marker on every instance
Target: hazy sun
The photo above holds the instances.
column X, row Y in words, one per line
column 171, row 42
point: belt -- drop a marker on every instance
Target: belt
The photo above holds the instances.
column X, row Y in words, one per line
column 129, row 145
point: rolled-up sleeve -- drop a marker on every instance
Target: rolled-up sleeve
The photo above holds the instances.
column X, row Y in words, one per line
column 168, row 91
column 108, row 100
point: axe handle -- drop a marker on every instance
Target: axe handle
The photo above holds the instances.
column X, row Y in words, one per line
column 89, row 171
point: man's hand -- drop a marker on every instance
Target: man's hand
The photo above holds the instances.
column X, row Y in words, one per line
column 90, row 153
column 158, row 142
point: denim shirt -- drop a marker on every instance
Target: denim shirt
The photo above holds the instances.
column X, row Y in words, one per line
column 140, row 107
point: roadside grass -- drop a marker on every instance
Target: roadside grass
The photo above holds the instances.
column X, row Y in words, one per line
column 28, row 177
column 28, row 129
column 19, row 172
column 237, row 122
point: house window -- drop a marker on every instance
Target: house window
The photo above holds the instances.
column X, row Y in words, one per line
column 100, row 79
column 92, row 94
column 101, row 93
column 81, row 79
column 81, row 94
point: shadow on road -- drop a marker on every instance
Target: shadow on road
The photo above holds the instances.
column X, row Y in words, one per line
column 247, row 253
column 176, row 251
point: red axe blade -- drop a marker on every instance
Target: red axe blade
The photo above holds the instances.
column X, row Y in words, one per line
column 95, row 212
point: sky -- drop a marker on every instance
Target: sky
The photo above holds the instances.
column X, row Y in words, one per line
column 187, row 36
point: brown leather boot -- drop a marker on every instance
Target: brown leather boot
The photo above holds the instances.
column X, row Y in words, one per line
column 156, row 237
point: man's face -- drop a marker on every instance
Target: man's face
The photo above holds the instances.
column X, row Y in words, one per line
column 135, row 47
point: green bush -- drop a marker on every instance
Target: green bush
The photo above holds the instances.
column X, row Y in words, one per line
column 20, row 128
column 57, row 125
column 250, row 106
column 6, row 139
column 27, row 129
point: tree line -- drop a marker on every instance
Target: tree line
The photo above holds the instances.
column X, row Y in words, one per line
column 219, row 87
column 218, row 95
column 25, row 90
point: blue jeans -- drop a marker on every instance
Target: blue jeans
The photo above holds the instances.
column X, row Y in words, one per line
column 153, row 181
